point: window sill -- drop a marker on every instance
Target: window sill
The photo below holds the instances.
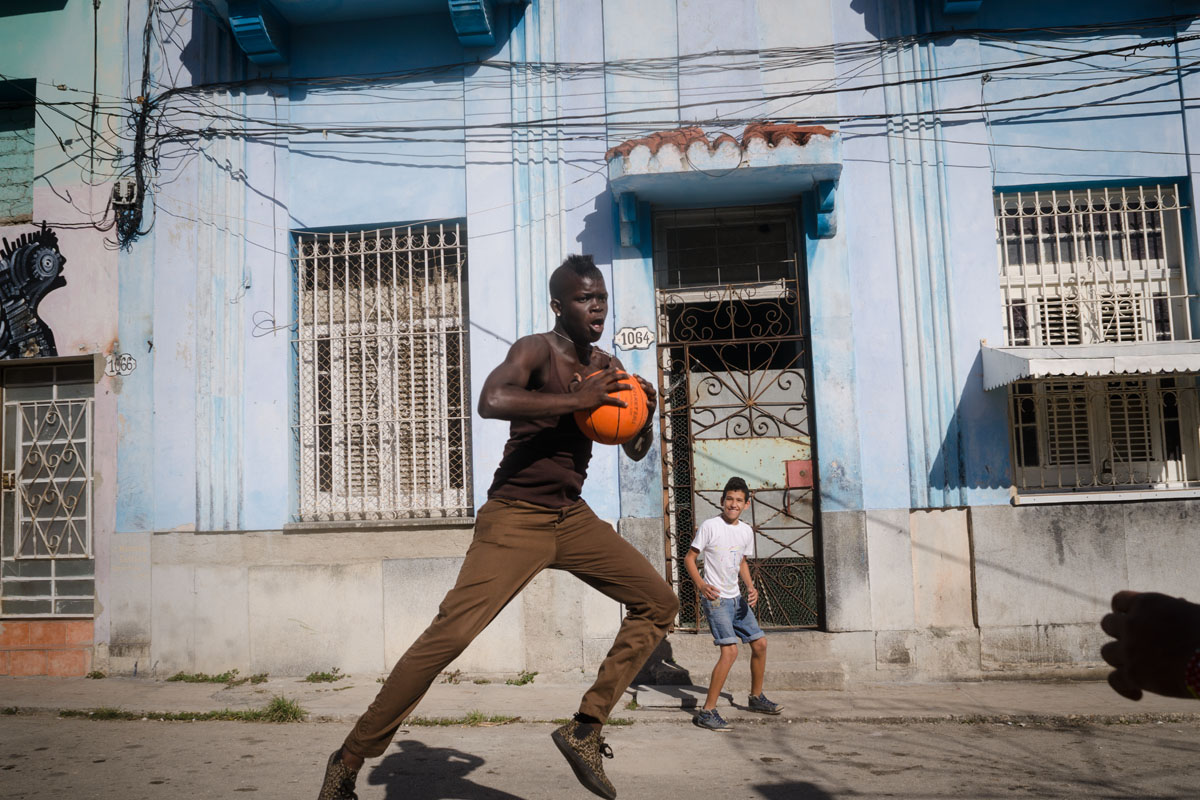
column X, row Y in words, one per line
column 378, row 524
column 1107, row 496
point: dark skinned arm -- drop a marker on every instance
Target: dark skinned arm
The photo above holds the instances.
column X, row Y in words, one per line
column 637, row 447
column 506, row 393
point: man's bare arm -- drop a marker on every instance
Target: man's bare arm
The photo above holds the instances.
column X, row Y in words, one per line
column 506, row 393
column 637, row 447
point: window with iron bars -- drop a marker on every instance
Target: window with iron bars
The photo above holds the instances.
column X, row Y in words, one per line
column 1094, row 266
column 381, row 354
column 1087, row 266
column 1099, row 434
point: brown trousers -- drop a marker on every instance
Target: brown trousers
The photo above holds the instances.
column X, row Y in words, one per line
column 513, row 542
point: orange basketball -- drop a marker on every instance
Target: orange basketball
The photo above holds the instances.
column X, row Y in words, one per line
column 613, row 424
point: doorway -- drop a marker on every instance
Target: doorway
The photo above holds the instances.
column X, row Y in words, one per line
column 735, row 381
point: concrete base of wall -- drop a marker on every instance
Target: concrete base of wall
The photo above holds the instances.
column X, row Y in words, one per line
column 989, row 592
column 295, row 603
column 801, row 660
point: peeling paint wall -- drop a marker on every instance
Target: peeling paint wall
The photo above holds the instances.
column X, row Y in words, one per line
column 928, row 571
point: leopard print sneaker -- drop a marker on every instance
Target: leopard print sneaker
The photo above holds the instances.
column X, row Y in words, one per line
column 339, row 780
column 584, row 756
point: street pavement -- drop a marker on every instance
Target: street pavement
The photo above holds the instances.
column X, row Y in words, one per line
column 970, row 740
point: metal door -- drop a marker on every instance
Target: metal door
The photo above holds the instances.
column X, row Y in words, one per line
column 46, row 502
column 735, row 383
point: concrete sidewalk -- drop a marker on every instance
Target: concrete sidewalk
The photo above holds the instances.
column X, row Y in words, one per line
column 345, row 699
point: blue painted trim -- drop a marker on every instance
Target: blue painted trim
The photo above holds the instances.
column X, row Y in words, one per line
column 293, row 372
column 634, row 303
column 473, row 22
column 961, row 6
column 833, row 404
column 627, row 209
column 826, row 211
column 136, row 480
column 260, row 31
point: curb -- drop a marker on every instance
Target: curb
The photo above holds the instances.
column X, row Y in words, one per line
column 683, row 717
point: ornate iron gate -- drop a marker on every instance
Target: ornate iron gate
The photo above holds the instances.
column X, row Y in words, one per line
column 734, row 380
column 46, row 498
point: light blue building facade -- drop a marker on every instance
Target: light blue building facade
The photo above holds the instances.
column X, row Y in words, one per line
column 921, row 272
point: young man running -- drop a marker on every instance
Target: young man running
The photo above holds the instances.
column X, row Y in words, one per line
column 724, row 542
column 534, row 519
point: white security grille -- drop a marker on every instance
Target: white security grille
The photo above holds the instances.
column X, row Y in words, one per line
column 1105, row 433
column 1082, row 266
column 382, row 373
column 54, row 479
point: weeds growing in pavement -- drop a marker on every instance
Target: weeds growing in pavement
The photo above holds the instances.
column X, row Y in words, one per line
column 472, row 719
column 522, row 679
column 334, row 674
column 618, row 722
column 280, row 709
column 95, row 675
column 202, row 677
column 229, row 678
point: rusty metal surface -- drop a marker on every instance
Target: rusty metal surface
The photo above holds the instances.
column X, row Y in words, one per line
column 734, row 378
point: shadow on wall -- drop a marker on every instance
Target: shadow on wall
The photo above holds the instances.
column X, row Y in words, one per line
column 597, row 237
column 31, row 7
column 974, row 452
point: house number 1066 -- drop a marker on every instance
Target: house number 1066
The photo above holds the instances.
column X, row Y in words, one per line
column 634, row 338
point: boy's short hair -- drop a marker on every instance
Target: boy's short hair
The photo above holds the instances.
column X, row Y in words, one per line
column 735, row 484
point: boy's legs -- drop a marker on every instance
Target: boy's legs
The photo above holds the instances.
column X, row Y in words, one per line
column 592, row 551
column 748, row 631
column 758, row 665
column 722, row 624
column 729, row 654
column 512, row 543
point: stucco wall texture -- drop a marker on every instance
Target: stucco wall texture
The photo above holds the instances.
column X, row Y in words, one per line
column 927, row 569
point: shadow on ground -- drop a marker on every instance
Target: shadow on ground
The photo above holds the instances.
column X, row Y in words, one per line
column 793, row 790
column 419, row 772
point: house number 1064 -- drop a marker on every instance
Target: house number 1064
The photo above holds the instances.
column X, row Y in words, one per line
column 634, row 338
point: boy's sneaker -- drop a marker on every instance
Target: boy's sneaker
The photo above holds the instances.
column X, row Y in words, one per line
column 339, row 780
column 585, row 755
column 762, row 705
column 711, row 720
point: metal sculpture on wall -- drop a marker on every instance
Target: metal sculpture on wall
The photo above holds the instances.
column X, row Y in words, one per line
column 30, row 268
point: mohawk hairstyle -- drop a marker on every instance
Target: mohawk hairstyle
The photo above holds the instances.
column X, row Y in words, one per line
column 573, row 266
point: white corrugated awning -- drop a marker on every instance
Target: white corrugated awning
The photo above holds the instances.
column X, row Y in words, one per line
column 1003, row 365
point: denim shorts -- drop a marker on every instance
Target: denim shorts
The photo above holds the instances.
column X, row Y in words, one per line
column 730, row 619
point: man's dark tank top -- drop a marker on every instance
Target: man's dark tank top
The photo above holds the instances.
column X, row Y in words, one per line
column 545, row 460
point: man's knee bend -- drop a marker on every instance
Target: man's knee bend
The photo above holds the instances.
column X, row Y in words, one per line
column 759, row 646
column 665, row 608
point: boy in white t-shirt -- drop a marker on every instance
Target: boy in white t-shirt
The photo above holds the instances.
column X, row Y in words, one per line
column 723, row 543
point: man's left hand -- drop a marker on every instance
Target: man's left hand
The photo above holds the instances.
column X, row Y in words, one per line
column 752, row 596
column 651, row 395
